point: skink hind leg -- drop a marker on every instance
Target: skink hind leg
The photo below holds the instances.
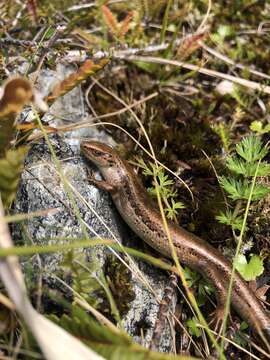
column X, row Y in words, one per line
column 217, row 316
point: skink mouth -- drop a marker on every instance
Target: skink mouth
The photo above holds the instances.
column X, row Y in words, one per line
column 88, row 150
column 84, row 147
column 89, row 146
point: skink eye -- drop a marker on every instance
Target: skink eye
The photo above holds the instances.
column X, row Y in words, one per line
column 96, row 152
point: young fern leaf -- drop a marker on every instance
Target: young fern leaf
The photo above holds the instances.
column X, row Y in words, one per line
column 246, row 164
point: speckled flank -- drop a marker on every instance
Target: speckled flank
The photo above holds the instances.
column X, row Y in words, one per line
column 142, row 216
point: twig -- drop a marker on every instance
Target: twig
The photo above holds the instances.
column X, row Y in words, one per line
column 213, row 73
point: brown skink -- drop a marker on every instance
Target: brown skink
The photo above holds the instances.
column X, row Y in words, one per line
column 145, row 220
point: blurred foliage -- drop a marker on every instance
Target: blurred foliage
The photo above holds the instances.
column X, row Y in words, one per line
column 10, row 170
column 109, row 342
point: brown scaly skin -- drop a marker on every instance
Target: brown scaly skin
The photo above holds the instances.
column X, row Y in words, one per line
column 145, row 220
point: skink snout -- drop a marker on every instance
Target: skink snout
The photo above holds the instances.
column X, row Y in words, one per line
column 99, row 153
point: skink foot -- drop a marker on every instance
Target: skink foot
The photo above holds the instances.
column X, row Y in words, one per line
column 100, row 184
column 216, row 319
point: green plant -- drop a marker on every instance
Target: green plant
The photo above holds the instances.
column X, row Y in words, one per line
column 11, row 166
column 242, row 167
column 108, row 290
column 83, row 280
column 249, row 270
column 258, row 128
column 109, row 342
column 165, row 187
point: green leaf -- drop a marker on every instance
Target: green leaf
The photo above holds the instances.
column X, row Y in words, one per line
column 11, row 167
column 240, row 189
column 228, row 218
column 236, row 165
column 146, row 66
column 172, row 210
column 193, row 328
column 249, row 270
column 233, row 187
column 259, row 192
column 147, row 171
column 247, row 169
column 251, row 149
column 191, row 276
column 257, row 127
column 263, row 169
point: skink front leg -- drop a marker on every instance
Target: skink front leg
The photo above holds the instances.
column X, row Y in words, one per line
column 101, row 184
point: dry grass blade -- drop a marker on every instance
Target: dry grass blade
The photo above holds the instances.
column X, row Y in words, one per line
column 213, row 73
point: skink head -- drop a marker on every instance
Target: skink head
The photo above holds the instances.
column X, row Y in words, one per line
column 102, row 155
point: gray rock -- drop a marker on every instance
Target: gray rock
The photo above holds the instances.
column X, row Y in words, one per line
column 42, row 188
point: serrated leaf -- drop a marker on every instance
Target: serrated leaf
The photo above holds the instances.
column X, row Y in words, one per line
column 233, row 187
column 249, row 270
column 172, row 210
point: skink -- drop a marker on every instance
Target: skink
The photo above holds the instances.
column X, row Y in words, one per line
column 145, row 220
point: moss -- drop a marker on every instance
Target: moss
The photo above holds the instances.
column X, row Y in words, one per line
column 119, row 281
